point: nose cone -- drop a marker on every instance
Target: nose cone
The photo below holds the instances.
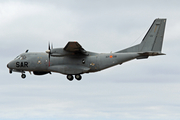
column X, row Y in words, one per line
column 8, row 65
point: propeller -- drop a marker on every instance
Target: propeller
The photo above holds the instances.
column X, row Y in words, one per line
column 49, row 51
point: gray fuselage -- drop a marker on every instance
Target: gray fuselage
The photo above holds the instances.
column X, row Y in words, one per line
column 72, row 64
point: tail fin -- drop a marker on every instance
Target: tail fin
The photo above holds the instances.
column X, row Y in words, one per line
column 153, row 40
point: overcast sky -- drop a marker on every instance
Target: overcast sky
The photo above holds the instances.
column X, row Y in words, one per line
column 137, row 90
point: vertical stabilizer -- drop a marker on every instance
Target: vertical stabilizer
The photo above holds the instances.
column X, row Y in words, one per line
column 153, row 40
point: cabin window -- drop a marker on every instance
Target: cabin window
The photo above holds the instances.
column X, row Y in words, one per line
column 83, row 61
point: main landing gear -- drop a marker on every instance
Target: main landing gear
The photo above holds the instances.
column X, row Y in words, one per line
column 70, row 77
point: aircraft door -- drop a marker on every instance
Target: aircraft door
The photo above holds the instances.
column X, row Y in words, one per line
column 93, row 63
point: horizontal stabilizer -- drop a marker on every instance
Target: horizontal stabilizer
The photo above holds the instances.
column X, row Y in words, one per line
column 151, row 53
column 145, row 55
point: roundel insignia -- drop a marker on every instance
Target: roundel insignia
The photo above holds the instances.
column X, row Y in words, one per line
column 39, row 62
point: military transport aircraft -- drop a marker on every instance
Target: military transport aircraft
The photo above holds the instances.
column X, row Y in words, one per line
column 73, row 59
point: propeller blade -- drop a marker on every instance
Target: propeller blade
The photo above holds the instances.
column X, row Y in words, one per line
column 51, row 46
column 49, row 52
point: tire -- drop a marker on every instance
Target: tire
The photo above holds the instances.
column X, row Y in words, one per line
column 70, row 77
column 78, row 77
column 23, row 76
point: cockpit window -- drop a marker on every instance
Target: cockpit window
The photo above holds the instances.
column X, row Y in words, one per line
column 17, row 57
column 23, row 57
column 20, row 57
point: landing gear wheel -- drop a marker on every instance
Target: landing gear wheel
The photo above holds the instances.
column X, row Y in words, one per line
column 78, row 77
column 23, row 76
column 70, row 77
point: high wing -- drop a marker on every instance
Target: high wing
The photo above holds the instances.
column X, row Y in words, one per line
column 75, row 47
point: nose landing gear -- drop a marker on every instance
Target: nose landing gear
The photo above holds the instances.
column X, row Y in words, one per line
column 23, row 76
column 23, row 72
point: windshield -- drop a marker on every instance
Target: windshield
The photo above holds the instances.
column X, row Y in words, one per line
column 20, row 57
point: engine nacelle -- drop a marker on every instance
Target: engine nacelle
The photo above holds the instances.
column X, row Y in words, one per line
column 40, row 72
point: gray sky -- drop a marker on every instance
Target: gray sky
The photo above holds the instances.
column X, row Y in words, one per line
column 139, row 89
